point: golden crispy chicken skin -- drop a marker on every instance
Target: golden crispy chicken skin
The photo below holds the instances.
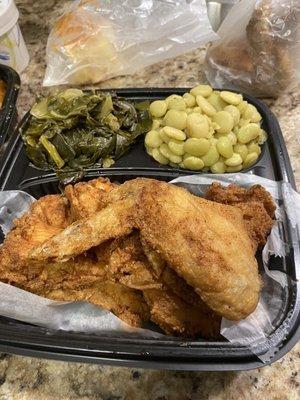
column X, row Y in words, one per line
column 206, row 243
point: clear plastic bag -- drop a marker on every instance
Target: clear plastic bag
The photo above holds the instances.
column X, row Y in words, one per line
column 259, row 48
column 96, row 40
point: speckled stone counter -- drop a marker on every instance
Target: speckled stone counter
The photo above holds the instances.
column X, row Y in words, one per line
column 33, row 379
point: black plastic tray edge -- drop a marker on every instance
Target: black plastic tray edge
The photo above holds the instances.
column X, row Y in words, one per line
column 8, row 112
column 283, row 160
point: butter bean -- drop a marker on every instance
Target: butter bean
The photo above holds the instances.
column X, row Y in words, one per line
column 156, row 123
column 174, row 133
column 251, row 113
column 153, row 139
column 224, row 120
column 241, row 149
column 234, row 169
column 158, row 108
column 205, row 106
column 197, row 126
column 235, row 113
column 262, row 137
column 203, row 90
column 171, row 97
column 231, row 98
column 193, row 163
column 189, row 99
column 177, row 104
column 156, row 154
column 250, row 159
column 164, row 137
column 248, row 133
column 197, row 110
column 224, row 147
column 232, row 137
column 211, row 157
column 218, row 168
column 216, row 101
column 196, row 147
column 176, row 147
column 254, row 148
column 234, row 160
column 175, row 119
column 242, row 106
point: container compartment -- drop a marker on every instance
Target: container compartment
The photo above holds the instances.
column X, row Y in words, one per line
column 20, row 338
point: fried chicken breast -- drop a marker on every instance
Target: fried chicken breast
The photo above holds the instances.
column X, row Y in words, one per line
column 206, row 243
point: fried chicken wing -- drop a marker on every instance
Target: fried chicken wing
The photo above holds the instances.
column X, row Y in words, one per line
column 255, row 203
column 86, row 198
column 80, row 278
column 206, row 243
column 176, row 317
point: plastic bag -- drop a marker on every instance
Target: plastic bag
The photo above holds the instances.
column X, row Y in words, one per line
column 259, row 49
column 96, row 40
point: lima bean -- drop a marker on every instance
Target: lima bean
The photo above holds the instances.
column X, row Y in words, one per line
column 262, row 137
column 235, row 113
column 231, row 98
column 177, row 104
column 242, row 106
column 254, row 148
column 241, row 149
column 205, row 106
column 234, row 160
column 174, row 133
column 251, row 113
column 248, row 132
column 189, row 99
column 250, row 159
column 156, row 123
column 232, row 137
column 193, row 163
column 156, row 154
column 197, row 126
column 163, row 136
column 224, row 147
column 203, row 90
column 175, row 119
column 224, row 120
column 196, row 147
column 158, row 108
column 215, row 100
column 211, row 157
column 153, row 139
column 176, row 147
column 237, row 168
column 218, row 168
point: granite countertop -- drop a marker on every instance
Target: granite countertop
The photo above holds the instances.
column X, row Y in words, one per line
column 24, row 378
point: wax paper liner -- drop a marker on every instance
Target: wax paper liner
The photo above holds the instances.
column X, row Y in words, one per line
column 253, row 332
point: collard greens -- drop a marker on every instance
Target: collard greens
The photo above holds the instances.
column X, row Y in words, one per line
column 72, row 131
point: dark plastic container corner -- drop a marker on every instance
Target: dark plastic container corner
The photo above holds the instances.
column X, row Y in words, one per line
column 8, row 111
column 173, row 354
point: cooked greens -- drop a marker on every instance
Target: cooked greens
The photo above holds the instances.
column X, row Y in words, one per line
column 74, row 130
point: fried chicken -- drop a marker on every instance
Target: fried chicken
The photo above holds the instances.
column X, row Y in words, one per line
column 206, row 243
column 255, row 203
column 80, row 278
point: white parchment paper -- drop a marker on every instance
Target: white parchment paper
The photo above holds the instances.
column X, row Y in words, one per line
column 84, row 317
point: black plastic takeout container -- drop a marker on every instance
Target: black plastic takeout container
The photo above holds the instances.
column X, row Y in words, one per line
column 20, row 338
column 8, row 111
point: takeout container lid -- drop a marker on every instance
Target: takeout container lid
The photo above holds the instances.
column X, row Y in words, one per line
column 16, row 173
column 9, row 15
